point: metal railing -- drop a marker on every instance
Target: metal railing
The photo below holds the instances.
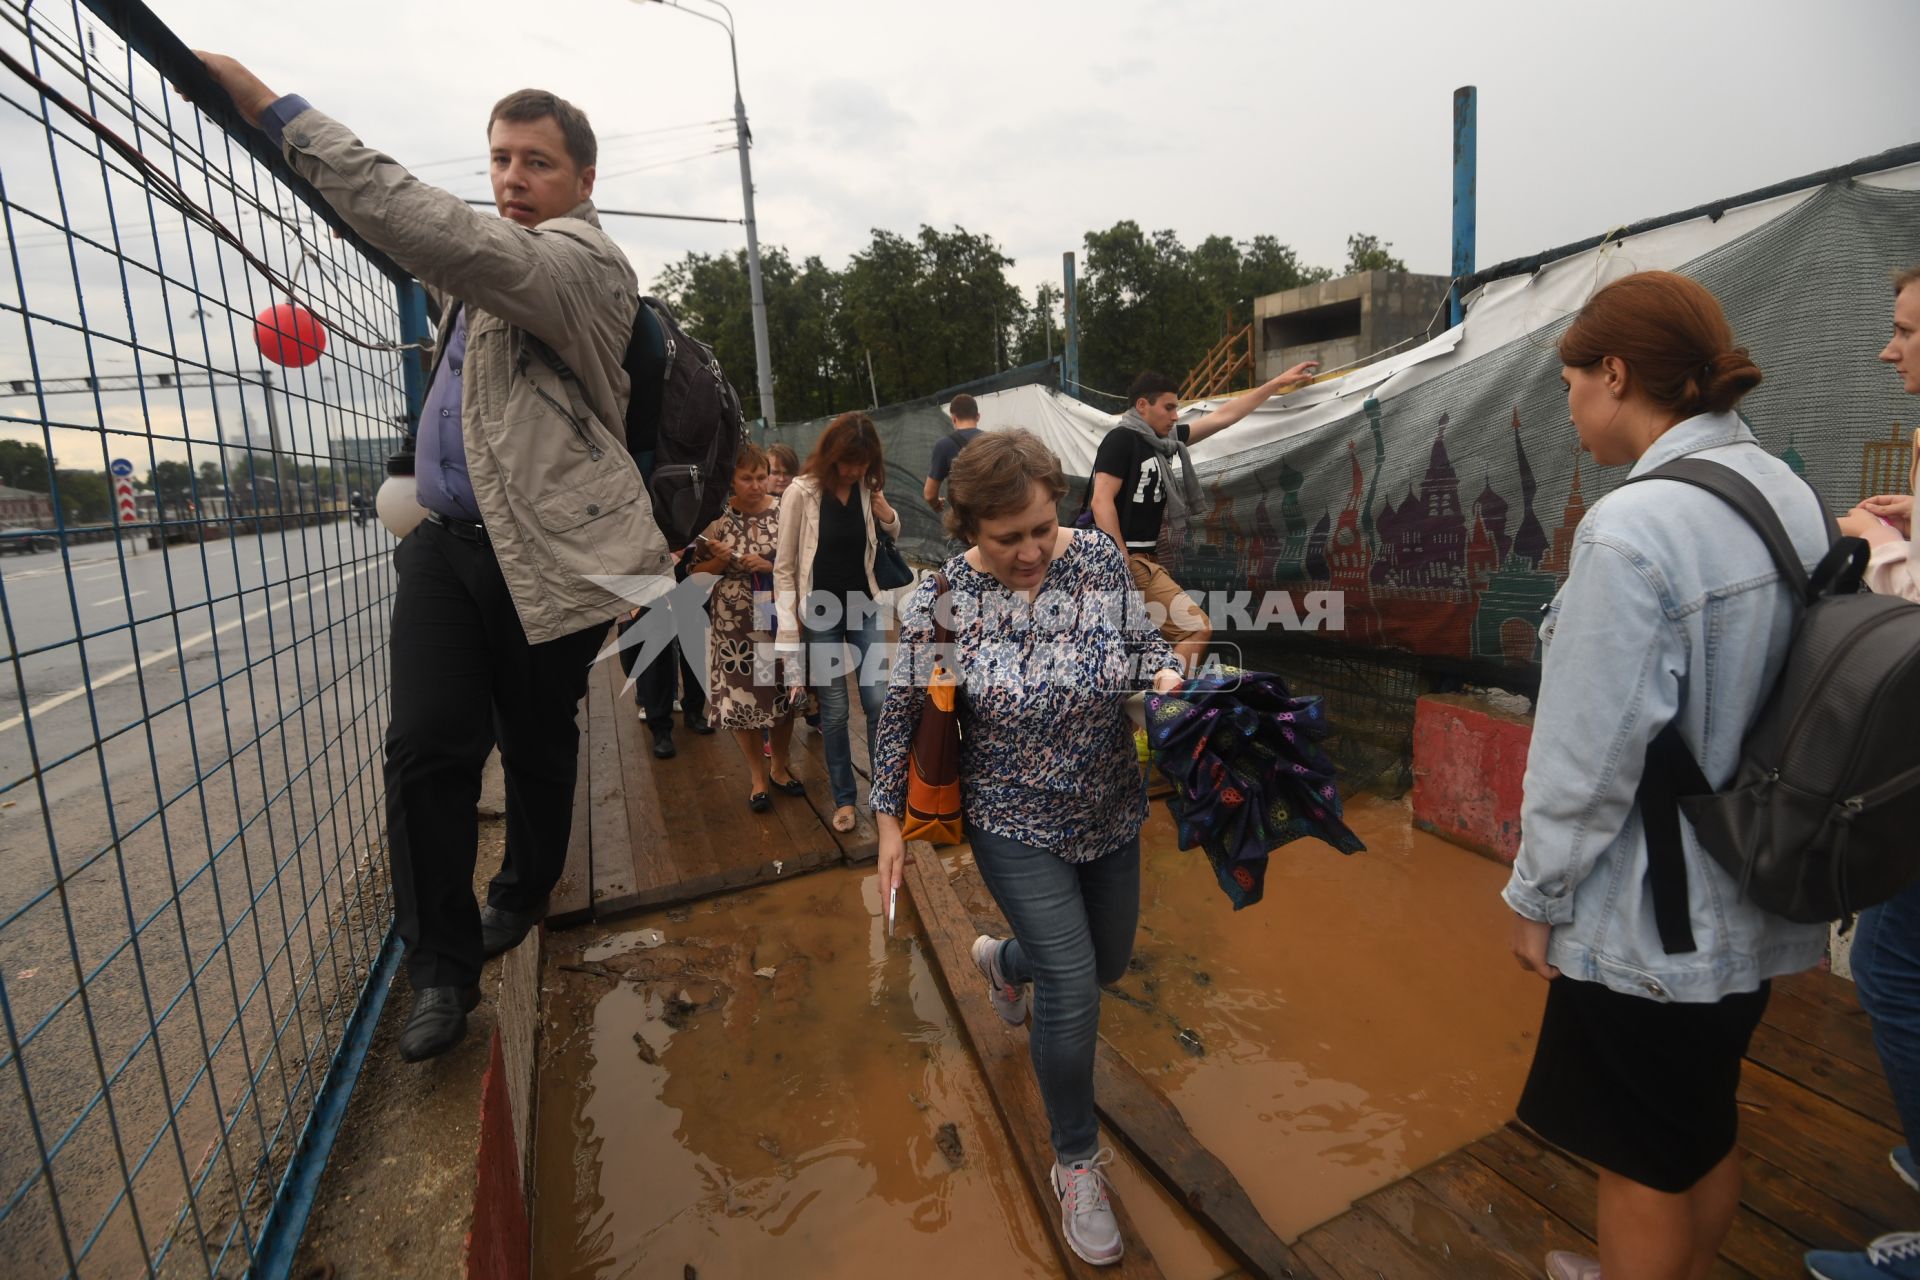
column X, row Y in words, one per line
column 193, row 889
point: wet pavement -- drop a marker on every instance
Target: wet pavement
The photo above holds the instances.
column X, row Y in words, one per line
column 764, row 1084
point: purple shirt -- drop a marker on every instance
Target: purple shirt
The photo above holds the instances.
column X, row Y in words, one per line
column 439, row 452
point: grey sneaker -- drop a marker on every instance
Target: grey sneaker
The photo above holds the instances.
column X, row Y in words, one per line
column 1562, row 1265
column 1009, row 999
column 1086, row 1212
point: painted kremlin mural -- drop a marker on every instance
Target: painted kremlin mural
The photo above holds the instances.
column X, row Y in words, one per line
column 1430, row 569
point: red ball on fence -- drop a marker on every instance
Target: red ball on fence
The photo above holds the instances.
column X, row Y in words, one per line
column 288, row 334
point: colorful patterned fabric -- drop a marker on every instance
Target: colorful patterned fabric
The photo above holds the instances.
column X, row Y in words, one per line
column 744, row 687
column 1046, row 748
column 1248, row 776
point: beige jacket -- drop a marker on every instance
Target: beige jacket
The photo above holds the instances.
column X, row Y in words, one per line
column 799, row 540
column 559, row 493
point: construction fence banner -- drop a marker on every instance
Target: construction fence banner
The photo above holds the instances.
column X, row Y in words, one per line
column 1439, row 489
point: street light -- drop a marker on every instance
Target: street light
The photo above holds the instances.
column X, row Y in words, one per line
column 743, row 141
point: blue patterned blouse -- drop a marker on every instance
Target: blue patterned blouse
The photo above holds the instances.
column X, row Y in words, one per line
column 1046, row 749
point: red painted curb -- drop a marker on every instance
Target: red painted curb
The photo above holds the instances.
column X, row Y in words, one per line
column 1469, row 762
column 499, row 1244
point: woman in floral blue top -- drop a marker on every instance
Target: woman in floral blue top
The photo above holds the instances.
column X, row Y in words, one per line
column 1049, row 639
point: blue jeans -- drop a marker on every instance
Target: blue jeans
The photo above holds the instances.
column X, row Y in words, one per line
column 1886, row 970
column 1073, row 926
column 859, row 634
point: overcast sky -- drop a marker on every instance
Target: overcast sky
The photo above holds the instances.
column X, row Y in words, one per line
column 1033, row 122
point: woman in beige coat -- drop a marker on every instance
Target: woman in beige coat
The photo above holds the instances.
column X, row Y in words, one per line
column 824, row 593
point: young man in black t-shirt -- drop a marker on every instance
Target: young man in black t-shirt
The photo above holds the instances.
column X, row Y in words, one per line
column 1134, row 472
column 966, row 428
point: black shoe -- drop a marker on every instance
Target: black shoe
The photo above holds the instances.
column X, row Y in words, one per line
column 501, row 931
column 698, row 723
column 663, row 742
column 759, row 802
column 438, row 1021
column 792, row 787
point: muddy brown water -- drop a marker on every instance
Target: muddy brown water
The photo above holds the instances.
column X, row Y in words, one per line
column 764, row 1084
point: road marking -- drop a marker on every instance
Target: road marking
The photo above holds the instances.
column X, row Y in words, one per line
column 117, row 599
column 191, row 642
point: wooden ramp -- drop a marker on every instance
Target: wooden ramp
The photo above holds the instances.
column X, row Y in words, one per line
column 648, row 833
column 1816, row 1123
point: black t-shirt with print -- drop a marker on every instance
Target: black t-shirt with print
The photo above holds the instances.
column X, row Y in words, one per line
column 1144, row 477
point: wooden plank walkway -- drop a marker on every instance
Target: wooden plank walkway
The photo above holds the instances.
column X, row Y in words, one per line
column 1816, row 1122
column 649, row 833
column 1817, row 1116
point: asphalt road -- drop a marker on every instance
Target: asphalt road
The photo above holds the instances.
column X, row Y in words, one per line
column 190, row 838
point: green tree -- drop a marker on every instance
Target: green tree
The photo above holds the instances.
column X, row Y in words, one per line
column 84, row 497
column 23, row 465
column 173, row 482
column 1370, row 253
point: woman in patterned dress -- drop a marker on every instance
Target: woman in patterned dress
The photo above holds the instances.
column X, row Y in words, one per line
column 1048, row 648
column 747, row 699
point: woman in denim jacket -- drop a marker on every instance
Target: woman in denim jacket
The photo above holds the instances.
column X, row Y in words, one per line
column 1673, row 611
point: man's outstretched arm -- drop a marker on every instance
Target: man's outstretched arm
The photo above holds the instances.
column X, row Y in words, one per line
column 488, row 262
column 1242, row 405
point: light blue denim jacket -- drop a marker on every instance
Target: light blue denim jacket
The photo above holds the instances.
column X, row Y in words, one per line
column 1672, row 609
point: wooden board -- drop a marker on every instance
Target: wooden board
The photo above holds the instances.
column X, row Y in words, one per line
column 1852, row 1086
column 1823, row 1010
column 1823, row 1143
column 606, row 797
column 1002, row 1053
column 1151, row 1127
column 572, row 899
column 1813, row 1128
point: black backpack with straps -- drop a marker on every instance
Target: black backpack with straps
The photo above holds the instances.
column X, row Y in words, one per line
column 684, row 425
column 1822, row 816
column 684, row 411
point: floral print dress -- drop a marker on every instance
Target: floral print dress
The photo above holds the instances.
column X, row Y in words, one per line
column 745, row 690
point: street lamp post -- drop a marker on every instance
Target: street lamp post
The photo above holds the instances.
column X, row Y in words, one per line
column 743, row 142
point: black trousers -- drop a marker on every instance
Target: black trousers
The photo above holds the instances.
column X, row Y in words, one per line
column 668, row 676
column 464, row 678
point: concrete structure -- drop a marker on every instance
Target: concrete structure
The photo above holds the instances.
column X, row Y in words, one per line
column 25, row 508
column 1342, row 322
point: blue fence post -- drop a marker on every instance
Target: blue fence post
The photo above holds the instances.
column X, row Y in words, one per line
column 413, row 328
column 1466, row 101
column 1070, row 363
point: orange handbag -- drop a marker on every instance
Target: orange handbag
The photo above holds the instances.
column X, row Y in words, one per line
column 933, row 765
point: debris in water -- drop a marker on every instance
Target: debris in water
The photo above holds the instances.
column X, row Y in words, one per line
column 947, row 1138
column 777, row 865
column 647, row 1055
column 765, row 971
column 595, row 970
column 688, row 1273
column 679, row 1012
column 651, row 938
column 680, row 915
column 1190, row 1041
column 771, row 1146
column 1202, row 978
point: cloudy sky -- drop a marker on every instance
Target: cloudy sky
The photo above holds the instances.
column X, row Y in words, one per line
column 1035, row 121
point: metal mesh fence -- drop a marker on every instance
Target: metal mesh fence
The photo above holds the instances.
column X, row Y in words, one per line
column 192, row 894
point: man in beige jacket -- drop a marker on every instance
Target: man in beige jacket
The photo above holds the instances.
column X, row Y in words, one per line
column 531, row 496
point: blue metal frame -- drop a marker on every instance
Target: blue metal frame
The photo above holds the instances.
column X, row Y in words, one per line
column 197, row 959
column 1466, row 111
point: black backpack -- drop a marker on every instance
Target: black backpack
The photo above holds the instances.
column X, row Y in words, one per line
column 1822, row 816
column 685, row 413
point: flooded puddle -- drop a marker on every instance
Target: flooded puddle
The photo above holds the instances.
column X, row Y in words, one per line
column 765, row 1085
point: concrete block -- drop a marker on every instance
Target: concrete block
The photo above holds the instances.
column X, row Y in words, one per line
column 1469, row 760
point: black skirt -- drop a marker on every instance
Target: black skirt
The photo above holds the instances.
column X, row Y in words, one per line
column 1641, row 1088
